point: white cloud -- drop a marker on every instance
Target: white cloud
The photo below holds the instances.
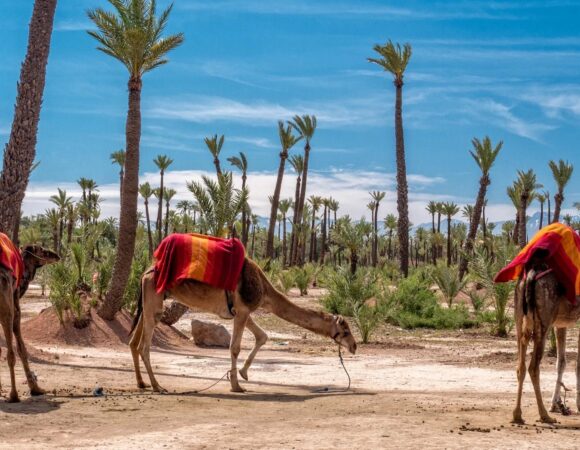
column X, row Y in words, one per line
column 207, row 109
column 73, row 26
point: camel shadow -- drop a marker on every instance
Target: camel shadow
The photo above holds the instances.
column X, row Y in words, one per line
column 31, row 405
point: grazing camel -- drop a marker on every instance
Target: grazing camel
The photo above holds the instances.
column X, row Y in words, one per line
column 539, row 306
column 33, row 257
column 254, row 291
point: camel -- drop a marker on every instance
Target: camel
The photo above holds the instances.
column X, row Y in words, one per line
column 33, row 257
column 539, row 306
column 254, row 291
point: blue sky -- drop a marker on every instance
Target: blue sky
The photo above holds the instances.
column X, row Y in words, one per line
column 506, row 69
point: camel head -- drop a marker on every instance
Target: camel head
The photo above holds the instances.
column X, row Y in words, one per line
column 342, row 335
column 38, row 256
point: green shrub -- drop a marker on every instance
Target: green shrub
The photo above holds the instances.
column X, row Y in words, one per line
column 62, row 283
column 447, row 279
column 303, row 278
column 285, row 280
column 139, row 265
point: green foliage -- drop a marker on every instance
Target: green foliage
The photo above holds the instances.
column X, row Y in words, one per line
column 62, row 283
column 303, row 277
column 414, row 305
column 140, row 263
column 448, row 281
column 285, row 280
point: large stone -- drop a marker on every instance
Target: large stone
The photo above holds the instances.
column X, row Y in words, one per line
column 209, row 334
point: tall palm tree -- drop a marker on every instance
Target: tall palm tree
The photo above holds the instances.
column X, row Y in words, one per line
column 297, row 163
column 168, row 196
column 547, row 195
column 377, row 198
column 324, row 229
column 527, row 182
column 287, row 141
column 118, row 158
column 542, row 199
column 162, row 162
column 432, row 208
column 484, row 154
column 514, row 194
column 84, row 184
column 394, row 59
column 305, row 126
column 284, row 207
column 316, row 202
column 53, row 218
column 20, row 151
column 131, row 34
column 467, row 212
column 214, row 145
column 450, row 209
column 242, row 164
column 390, row 225
column 562, row 172
column 62, row 201
column 146, row 192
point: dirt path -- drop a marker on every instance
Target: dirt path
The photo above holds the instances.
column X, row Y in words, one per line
column 411, row 390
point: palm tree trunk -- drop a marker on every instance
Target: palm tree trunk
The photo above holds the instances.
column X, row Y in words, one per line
column 541, row 215
column 275, row 202
column 522, row 220
column 302, row 198
column 549, row 210
column 376, row 237
column 312, row 236
column 121, row 176
column 295, row 222
column 448, row 241
column 469, row 241
column 166, row 231
column 558, row 199
column 244, row 214
column 402, row 189
column 173, row 313
column 159, row 223
column 284, row 252
column 149, row 236
column 20, row 151
column 323, row 236
column 253, row 239
column 353, row 261
column 128, row 214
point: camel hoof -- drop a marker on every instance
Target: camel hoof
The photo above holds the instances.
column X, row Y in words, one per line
column 548, row 419
column 36, row 391
column 159, row 389
column 239, row 389
column 244, row 374
column 142, row 385
column 518, row 420
column 13, row 398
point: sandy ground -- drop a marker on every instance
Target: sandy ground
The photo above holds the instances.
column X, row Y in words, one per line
column 409, row 389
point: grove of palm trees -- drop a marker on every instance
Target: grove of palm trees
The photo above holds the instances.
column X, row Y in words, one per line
column 396, row 248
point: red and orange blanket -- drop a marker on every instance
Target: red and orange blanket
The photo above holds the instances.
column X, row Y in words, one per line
column 562, row 246
column 211, row 260
column 11, row 259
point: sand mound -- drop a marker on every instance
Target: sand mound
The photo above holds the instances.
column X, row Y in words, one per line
column 46, row 329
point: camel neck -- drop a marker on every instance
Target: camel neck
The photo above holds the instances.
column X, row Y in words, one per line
column 27, row 277
column 315, row 321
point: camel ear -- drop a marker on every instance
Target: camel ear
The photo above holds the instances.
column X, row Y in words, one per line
column 251, row 287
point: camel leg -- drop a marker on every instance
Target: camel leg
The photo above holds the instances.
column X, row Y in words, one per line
column 152, row 312
column 11, row 358
column 134, row 345
column 261, row 338
column 561, row 367
column 23, row 353
column 523, row 340
column 540, row 335
column 240, row 320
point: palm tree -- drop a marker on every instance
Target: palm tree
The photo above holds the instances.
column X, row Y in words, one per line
column 324, row 228
column 284, row 207
column 297, row 163
column 53, row 218
column 118, row 157
column 62, row 202
column 562, row 172
column 20, row 151
column 168, row 195
column 542, row 199
column 146, row 192
column 547, row 195
column 71, row 218
column 527, row 182
column 450, row 209
column 214, row 145
column 351, row 237
column 305, row 126
column 316, row 202
column 484, row 155
column 377, row 198
column 131, row 34
column 514, row 194
column 390, row 225
column 162, row 162
column 218, row 202
column 467, row 212
column 394, row 59
column 287, row 141
column 242, row 164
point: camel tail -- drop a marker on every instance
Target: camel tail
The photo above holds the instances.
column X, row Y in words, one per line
column 529, row 292
column 139, row 311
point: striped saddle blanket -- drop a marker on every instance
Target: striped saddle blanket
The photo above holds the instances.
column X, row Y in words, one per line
column 11, row 259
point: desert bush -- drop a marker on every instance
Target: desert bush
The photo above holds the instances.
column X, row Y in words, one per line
column 138, row 266
column 448, row 281
column 348, row 295
column 303, row 278
column 61, row 283
column 414, row 305
column 285, row 280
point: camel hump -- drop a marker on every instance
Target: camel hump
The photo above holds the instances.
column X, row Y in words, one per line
column 252, row 288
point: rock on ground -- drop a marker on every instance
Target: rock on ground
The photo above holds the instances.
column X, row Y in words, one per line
column 209, row 334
